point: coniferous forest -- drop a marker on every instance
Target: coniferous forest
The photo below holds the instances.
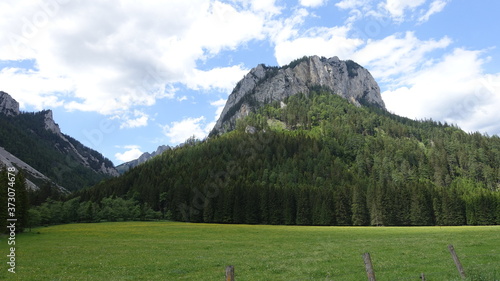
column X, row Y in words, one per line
column 319, row 160
column 26, row 137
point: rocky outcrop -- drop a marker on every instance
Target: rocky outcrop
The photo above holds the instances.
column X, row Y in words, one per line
column 8, row 105
column 122, row 168
column 265, row 84
column 69, row 146
column 50, row 124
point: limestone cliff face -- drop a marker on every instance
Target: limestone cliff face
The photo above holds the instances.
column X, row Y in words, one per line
column 264, row 84
column 8, row 105
column 50, row 124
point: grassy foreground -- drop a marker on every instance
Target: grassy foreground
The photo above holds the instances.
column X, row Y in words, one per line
column 183, row 251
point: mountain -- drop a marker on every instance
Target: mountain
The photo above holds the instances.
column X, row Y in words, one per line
column 316, row 157
column 35, row 144
column 321, row 160
column 8, row 105
column 264, row 85
column 122, row 168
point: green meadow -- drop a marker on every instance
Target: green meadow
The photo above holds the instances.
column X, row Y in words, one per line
column 184, row 251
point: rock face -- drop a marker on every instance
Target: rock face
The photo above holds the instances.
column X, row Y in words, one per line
column 8, row 105
column 122, row 168
column 264, row 84
column 50, row 124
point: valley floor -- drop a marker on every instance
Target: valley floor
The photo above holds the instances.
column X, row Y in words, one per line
column 184, row 251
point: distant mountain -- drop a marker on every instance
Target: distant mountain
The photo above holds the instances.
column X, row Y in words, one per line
column 122, row 168
column 264, row 84
column 34, row 143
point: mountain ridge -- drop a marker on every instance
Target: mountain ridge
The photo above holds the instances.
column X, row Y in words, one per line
column 36, row 139
column 122, row 168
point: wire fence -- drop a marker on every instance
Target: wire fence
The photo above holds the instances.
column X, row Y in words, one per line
column 457, row 273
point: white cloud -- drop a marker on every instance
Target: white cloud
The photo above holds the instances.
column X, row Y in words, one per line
column 326, row 42
column 397, row 56
column 312, row 3
column 396, row 8
column 180, row 131
column 127, row 54
column 183, row 98
column 40, row 92
column 139, row 119
column 266, row 6
column 220, row 106
column 351, row 4
column 220, row 78
column 453, row 90
column 282, row 30
column 435, row 7
column 132, row 153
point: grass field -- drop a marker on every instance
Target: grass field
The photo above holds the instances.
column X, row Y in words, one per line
column 183, row 251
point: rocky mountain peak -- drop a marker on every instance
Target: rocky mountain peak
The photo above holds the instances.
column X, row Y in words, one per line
column 8, row 105
column 263, row 85
column 50, row 124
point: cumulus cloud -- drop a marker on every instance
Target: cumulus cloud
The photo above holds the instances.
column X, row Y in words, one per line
column 312, row 3
column 220, row 78
column 138, row 119
column 435, row 7
column 133, row 152
column 326, row 42
column 180, row 131
column 454, row 89
column 397, row 55
column 129, row 54
column 351, row 4
column 40, row 92
column 397, row 8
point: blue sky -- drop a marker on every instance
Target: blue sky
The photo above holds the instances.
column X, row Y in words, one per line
column 124, row 77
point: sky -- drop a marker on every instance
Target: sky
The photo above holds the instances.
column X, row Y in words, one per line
column 124, row 77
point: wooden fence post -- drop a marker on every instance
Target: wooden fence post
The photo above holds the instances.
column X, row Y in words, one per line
column 369, row 267
column 230, row 273
column 457, row 261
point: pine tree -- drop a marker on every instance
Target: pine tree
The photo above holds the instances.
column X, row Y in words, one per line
column 420, row 208
column 343, row 206
column 359, row 208
column 303, row 207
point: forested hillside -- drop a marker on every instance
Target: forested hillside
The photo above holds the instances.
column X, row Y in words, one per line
column 322, row 161
column 61, row 158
